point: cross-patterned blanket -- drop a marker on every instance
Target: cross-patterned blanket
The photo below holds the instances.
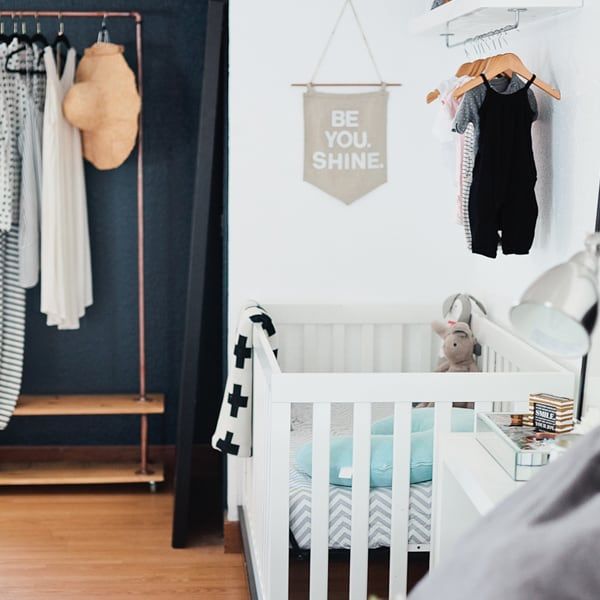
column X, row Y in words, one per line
column 233, row 434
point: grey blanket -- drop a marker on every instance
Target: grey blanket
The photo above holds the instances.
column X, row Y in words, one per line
column 543, row 542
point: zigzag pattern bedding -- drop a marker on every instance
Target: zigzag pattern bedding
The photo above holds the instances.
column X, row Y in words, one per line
column 340, row 514
column 340, row 504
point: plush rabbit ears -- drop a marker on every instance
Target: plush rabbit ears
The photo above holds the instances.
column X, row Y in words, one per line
column 441, row 328
column 444, row 329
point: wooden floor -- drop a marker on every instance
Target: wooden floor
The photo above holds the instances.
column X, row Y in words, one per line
column 339, row 574
column 100, row 543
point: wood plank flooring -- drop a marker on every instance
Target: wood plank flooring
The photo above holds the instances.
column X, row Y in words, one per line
column 339, row 574
column 106, row 543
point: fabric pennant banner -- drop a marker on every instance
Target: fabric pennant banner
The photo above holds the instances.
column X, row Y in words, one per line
column 345, row 142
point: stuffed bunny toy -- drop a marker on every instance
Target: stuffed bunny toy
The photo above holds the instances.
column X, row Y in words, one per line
column 458, row 347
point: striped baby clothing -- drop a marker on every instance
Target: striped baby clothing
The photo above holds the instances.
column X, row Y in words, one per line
column 468, row 163
column 14, row 91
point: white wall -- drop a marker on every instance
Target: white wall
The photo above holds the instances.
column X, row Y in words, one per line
column 290, row 242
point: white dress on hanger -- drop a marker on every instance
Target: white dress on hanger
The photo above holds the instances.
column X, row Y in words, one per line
column 66, row 276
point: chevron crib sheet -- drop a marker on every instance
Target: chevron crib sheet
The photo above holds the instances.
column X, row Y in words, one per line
column 340, row 498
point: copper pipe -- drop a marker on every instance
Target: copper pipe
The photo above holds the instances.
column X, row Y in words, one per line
column 140, row 216
column 140, row 250
column 71, row 13
column 144, row 469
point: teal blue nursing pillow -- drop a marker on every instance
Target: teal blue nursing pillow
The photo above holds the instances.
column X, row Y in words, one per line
column 382, row 449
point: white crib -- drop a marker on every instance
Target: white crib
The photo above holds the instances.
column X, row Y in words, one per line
column 362, row 355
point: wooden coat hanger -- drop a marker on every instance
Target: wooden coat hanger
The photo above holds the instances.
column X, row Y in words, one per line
column 432, row 96
column 505, row 63
column 468, row 69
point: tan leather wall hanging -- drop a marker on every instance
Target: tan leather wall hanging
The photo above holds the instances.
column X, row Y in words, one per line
column 104, row 104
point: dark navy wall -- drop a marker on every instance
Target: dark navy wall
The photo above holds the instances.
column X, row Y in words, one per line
column 102, row 355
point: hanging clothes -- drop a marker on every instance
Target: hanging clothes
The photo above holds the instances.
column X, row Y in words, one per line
column 473, row 100
column 502, row 197
column 13, row 325
column 443, row 130
column 467, row 122
column 66, row 278
column 14, row 91
column 30, row 147
column 466, row 178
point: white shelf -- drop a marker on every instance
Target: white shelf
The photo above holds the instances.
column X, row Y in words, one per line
column 471, row 17
column 469, row 484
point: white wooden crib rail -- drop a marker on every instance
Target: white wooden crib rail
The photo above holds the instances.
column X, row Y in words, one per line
column 266, row 501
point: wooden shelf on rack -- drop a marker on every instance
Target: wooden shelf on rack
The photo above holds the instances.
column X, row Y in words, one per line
column 90, row 404
column 76, row 473
column 470, row 17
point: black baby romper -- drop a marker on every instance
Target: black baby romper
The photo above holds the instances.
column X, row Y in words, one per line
column 502, row 197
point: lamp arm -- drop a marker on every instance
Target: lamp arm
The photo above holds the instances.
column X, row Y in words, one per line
column 592, row 258
column 592, row 246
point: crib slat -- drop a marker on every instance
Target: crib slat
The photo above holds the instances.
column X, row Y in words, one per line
column 324, row 349
column 310, row 348
column 367, row 348
column 398, row 348
column 442, row 425
column 339, row 348
column 400, row 500
column 361, row 462
column 319, row 547
column 484, row 359
column 484, row 405
column 279, row 502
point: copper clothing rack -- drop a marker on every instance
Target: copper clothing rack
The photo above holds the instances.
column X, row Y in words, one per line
column 144, row 403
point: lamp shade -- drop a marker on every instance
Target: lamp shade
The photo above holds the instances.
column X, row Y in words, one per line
column 558, row 311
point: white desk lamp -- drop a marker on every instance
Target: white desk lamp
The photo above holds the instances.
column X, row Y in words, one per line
column 558, row 312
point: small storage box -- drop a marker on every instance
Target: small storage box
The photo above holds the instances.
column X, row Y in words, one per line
column 514, row 447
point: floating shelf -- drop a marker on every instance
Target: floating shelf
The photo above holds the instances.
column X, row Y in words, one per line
column 470, row 17
column 76, row 473
column 91, row 404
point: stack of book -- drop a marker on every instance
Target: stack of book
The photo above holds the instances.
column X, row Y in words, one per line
column 550, row 413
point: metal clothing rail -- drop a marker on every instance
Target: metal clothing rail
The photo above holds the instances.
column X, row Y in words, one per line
column 488, row 34
column 137, row 17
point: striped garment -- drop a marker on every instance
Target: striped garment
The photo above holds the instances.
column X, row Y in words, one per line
column 468, row 163
column 14, row 92
column 13, row 325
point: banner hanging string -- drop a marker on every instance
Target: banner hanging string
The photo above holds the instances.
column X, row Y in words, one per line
column 332, row 35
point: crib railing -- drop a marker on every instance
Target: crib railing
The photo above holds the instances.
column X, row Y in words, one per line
column 266, row 500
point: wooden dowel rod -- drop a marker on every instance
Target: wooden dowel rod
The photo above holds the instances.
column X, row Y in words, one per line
column 380, row 84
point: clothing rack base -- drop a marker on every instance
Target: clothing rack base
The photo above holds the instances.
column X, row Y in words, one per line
column 71, row 473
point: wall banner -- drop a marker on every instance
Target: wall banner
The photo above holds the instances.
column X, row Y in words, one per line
column 345, row 142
